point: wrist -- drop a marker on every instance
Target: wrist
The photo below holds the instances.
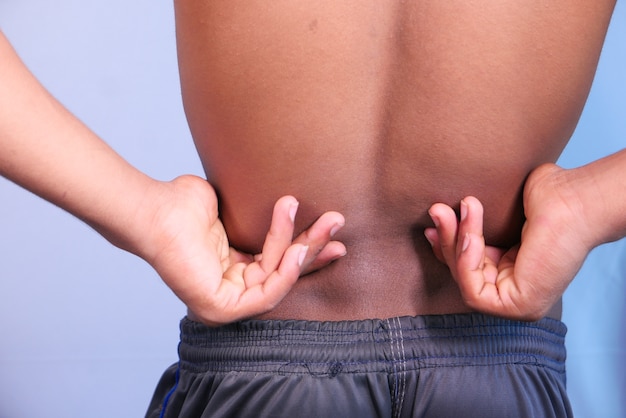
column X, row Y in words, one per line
column 127, row 220
column 165, row 211
column 558, row 197
column 142, row 228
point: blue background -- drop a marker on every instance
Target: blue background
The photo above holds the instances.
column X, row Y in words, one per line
column 86, row 329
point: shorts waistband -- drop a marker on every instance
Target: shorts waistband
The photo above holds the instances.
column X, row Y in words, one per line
column 372, row 345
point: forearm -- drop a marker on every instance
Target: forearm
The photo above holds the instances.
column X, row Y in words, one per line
column 48, row 151
column 601, row 186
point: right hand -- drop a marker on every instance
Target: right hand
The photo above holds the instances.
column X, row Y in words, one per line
column 219, row 284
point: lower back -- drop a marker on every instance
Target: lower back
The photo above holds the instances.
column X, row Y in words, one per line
column 378, row 112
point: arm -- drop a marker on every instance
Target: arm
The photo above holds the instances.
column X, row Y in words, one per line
column 48, row 151
column 568, row 213
column 172, row 225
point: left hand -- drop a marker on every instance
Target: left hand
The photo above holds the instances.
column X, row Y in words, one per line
column 525, row 281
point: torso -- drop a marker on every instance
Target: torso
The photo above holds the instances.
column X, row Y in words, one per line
column 378, row 110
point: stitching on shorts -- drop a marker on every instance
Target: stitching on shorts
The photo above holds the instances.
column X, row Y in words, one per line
column 398, row 358
column 400, row 344
column 394, row 394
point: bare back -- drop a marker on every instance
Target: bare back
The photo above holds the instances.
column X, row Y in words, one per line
column 378, row 109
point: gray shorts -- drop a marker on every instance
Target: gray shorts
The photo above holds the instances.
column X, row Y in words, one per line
column 466, row 365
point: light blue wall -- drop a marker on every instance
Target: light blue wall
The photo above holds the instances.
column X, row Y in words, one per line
column 86, row 330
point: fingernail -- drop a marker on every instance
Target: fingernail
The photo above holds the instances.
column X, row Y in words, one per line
column 292, row 211
column 338, row 256
column 335, row 229
column 464, row 209
column 466, row 242
column 302, row 255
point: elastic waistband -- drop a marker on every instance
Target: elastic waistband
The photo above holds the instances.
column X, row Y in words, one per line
column 372, row 345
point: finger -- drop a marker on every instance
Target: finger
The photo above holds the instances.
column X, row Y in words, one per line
column 433, row 239
column 318, row 238
column 331, row 252
column 471, row 223
column 446, row 224
column 265, row 295
column 280, row 234
column 473, row 274
column 476, row 274
column 480, row 288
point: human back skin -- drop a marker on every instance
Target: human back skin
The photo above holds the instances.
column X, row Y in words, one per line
column 377, row 110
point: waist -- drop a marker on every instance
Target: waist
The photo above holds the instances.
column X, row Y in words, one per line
column 435, row 340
